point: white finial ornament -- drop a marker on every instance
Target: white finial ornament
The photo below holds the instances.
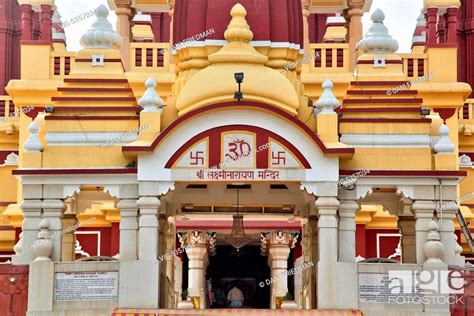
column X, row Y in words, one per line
column 33, row 143
column 328, row 101
column 377, row 39
column 101, row 34
column 444, row 144
column 151, row 101
column 433, row 247
column 43, row 246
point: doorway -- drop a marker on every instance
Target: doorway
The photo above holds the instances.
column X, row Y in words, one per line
column 246, row 269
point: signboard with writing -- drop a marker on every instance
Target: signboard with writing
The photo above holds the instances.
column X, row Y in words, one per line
column 86, row 286
column 221, row 175
column 373, row 288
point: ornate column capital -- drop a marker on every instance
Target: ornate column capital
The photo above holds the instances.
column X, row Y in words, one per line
column 277, row 239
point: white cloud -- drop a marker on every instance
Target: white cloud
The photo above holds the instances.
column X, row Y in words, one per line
column 400, row 19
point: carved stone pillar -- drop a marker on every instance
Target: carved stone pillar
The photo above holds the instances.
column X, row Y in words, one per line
column 124, row 13
column 30, row 228
column 26, row 22
column 306, row 14
column 327, row 228
column 431, row 20
column 278, row 245
column 452, row 21
column 148, row 227
column 196, row 243
column 423, row 211
column 347, row 229
column 128, row 229
column 69, row 238
column 53, row 211
column 406, row 224
column 446, row 230
column 178, row 275
column 354, row 14
column 46, row 22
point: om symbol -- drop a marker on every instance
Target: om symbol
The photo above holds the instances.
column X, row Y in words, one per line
column 238, row 149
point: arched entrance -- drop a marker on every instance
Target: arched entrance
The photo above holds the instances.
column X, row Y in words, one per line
column 206, row 151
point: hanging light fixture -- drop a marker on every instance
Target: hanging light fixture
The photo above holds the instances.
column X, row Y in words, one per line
column 237, row 238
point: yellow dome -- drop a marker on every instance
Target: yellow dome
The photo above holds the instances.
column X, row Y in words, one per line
column 216, row 83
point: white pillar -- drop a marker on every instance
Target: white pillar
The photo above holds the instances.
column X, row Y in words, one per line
column 298, row 282
column 446, row 229
column 30, row 228
column 423, row 211
column 196, row 256
column 53, row 211
column 128, row 229
column 148, row 227
column 278, row 260
column 327, row 228
column 407, row 227
column 347, row 230
column 178, row 275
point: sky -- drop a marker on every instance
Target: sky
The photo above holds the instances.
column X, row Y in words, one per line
column 400, row 18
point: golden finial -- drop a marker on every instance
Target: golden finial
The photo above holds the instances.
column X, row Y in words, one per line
column 238, row 29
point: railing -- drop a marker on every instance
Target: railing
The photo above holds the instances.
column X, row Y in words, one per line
column 149, row 57
column 7, row 107
column 415, row 65
column 467, row 112
column 330, row 57
column 61, row 64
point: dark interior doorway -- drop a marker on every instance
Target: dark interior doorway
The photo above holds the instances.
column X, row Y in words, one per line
column 246, row 269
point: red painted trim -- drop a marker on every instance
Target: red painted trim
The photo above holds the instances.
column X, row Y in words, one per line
column 378, row 83
column 87, row 99
column 96, row 108
column 445, row 113
column 84, row 80
column 141, row 23
column 468, row 205
column 91, row 118
column 244, row 104
column 328, row 24
column 69, row 89
column 383, row 120
column 388, row 62
column 377, row 110
column 215, row 133
column 87, row 60
column 404, row 173
column 383, row 92
column 74, row 171
column 6, row 204
column 383, row 100
column 227, row 224
column 443, row 45
column 7, row 228
column 34, row 42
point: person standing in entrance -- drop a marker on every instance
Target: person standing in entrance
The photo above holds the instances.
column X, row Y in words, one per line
column 235, row 297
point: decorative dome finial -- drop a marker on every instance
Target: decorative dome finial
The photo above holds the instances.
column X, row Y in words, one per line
column 328, row 101
column 433, row 247
column 57, row 29
column 444, row 144
column 377, row 39
column 33, row 143
column 151, row 101
column 238, row 29
column 101, row 34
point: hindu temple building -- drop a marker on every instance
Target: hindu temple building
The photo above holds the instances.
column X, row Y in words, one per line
column 269, row 145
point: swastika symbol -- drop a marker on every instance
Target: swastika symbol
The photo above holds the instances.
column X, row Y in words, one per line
column 197, row 158
column 278, row 158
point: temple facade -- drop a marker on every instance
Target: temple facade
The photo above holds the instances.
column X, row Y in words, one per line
column 269, row 145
